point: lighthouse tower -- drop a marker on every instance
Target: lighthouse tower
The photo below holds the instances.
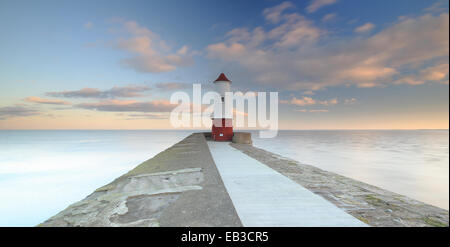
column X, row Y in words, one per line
column 222, row 123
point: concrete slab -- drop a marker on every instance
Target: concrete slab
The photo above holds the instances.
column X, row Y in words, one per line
column 179, row 187
column 370, row 204
column 264, row 197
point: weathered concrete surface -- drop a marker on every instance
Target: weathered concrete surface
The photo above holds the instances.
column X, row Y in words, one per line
column 242, row 137
column 370, row 204
column 264, row 197
column 178, row 187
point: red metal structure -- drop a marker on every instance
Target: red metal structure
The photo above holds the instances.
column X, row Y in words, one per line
column 220, row 131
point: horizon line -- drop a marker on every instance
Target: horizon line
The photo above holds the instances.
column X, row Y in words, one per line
column 234, row 129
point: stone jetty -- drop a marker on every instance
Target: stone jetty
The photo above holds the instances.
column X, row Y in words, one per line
column 190, row 184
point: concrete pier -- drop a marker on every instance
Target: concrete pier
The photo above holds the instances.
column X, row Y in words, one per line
column 264, row 197
column 178, row 187
column 185, row 186
column 370, row 204
column 242, row 138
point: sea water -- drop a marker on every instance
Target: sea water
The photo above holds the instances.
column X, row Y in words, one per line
column 44, row 171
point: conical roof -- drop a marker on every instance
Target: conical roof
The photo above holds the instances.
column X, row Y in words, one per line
column 222, row 77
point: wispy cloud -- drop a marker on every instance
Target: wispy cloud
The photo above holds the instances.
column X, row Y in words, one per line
column 302, row 102
column 172, row 86
column 35, row 99
column 243, row 44
column 273, row 14
column 319, row 110
column 329, row 17
column 17, row 111
column 148, row 116
column 88, row 25
column 350, row 101
column 329, row 102
column 317, row 4
column 295, row 54
column 129, row 106
column 115, row 92
column 438, row 7
column 365, row 28
column 316, row 110
column 436, row 73
column 150, row 53
column 305, row 101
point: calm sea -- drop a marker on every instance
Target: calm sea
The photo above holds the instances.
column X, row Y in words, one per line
column 42, row 172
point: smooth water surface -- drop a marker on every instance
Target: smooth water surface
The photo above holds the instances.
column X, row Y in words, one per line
column 44, row 171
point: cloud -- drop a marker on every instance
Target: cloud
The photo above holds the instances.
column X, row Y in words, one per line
column 172, row 86
column 366, row 73
column 329, row 102
column 365, row 28
column 226, row 52
column 317, row 4
column 438, row 7
column 329, row 17
column 436, row 73
column 295, row 54
column 305, row 101
column 317, row 110
column 150, row 54
column 115, row 92
column 82, row 93
column 129, row 106
column 88, row 25
column 136, row 29
column 127, row 91
column 148, row 116
column 302, row 102
column 246, row 46
column 273, row 14
column 296, row 30
column 16, row 111
column 350, row 101
column 35, row 99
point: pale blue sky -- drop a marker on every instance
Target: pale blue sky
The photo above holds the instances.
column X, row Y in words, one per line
column 383, row 62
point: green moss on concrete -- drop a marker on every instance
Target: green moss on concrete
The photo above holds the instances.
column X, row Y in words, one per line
column 106, row 187
column 374, row 200
column 432, row 222
column 168, row 158
column 363, row 220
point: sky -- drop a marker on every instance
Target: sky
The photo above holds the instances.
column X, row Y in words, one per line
column 336, row 64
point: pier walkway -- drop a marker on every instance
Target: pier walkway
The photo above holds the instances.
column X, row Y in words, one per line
column 264, row 197
column 200, row 183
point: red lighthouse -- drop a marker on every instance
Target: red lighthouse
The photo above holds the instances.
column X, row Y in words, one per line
column 222, row 125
